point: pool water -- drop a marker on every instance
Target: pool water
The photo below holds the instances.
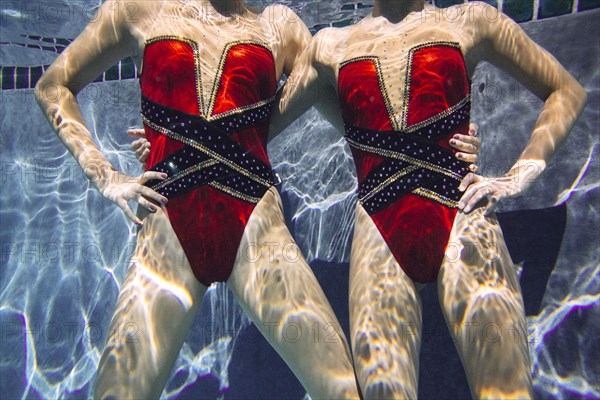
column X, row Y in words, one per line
column 65, row 249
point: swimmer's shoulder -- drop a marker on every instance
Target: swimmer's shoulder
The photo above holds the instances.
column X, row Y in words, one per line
column 131, row 16
column 286, row 32
column 131, row 21
column 476, row 14
column 480, row 21
column 329, row 43
column 285, row 25
column 280, row 15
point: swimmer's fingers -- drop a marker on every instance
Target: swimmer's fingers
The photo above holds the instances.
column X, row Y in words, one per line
column 136, row 132
column 145, row 203
column 467, row 146
column 148, row 193
column 466, row 143
column 122, row 203
column 494, row 188
column 491, row 205
column 468, row 181
column 137, row 144
column 467, row 157
column 472, row 197
column 476, row 189
column 123, row 188
column 150, row 176
column 144, row 157
column 151, row 194
column 473, row 129
column 141, row 148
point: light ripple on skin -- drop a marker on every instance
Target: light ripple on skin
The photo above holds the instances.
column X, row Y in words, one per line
column 27, row 287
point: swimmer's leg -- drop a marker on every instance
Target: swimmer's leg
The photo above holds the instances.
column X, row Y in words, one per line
column 156, row 306
column 278, row 290
column 481, row 299
column 385, row 317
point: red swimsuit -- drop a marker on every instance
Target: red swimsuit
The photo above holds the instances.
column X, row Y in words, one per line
column 408, row 179
column 214, row 154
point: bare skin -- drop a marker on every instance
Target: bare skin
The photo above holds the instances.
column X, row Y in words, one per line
column 160, row 295
column 477, row 284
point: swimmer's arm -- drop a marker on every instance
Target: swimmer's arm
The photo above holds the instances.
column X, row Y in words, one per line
column 104, row 41
column 306, row 87
column 98, row 47
column 503, row 43
column 293, row 34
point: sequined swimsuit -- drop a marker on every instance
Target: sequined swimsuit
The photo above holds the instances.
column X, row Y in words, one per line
column 214, row 154
column 407, row 173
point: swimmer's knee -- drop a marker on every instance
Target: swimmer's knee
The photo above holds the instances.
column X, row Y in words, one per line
column 388, row 390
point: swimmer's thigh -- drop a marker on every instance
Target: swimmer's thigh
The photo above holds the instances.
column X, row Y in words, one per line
column 155, row 309
column 278, row 290
column 385, row 316
column 481, row 300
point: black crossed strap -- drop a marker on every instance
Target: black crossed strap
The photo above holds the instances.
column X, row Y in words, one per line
column 414, row 163
column 211, row 156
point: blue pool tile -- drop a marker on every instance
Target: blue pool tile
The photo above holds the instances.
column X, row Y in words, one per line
column 112, row 74
column 36, row 74
column 22, row 76
column 588, row 5
column 345, row 22
column 128, row 69
column 8, row 78
column 447, row 3
column 355, row 6
column 493, row 3
column 519, row 10
column 553, row 8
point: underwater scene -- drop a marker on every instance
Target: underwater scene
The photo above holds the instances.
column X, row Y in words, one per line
column 66, row 249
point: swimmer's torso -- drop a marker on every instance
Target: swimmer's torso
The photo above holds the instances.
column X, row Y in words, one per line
column 392, row 45
column 208, row 84
column 404, row 90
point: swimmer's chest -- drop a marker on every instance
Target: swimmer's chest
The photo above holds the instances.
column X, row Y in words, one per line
column 211, row 50
column 398, row 54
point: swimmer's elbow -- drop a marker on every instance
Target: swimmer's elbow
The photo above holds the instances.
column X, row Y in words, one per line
column 39, row 91
column 47, row 93
column 44, row 88
column 577, row 96
column 570, row 94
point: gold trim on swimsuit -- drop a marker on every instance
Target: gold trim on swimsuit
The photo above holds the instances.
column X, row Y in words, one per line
column 406, row 97
column 221, row 67
column 206, row 151
column 382, row 87
column 196, row 53
column 405, row 158
column 206, row 111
